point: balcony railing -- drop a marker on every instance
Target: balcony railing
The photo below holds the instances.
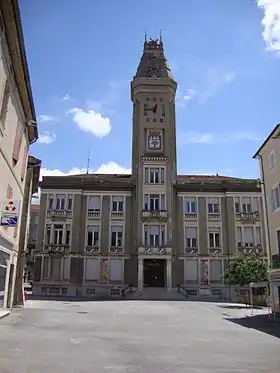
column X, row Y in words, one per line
column 57, row 249
column 214, row 216
column 117, row 215
column 190, row 216
column 150, row 214
column 154, row 250
column 59, row 214
column 249, row 217
column 191, row 250
column 215, row 250
column 116, row 249
column 92, row 249
column 257, row 250
column 93, row 214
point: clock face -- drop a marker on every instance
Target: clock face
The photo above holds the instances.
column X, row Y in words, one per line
column 155, row 142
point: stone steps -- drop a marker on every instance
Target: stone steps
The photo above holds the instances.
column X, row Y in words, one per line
column 155, row 294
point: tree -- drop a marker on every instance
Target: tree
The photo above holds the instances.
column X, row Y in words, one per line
column 245, row 269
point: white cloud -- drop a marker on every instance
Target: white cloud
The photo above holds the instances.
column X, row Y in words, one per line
column 46, row 118
column 228, row 78
column 216, row 138
column 47, row 138
column 91, row 121
column 67, row 97
column 190, row 94
column 271, row 23
column 109, row 168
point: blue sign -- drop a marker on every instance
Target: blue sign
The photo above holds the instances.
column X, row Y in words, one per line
column 9, row 220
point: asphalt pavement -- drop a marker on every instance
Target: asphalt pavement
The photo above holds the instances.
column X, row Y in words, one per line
column 135, row 336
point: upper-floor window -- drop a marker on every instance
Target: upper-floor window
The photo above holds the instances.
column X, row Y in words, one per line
column 48, row 233
column 117, row 236
column 214, row 237
column 58, row 234
column 17, row 143
column 117, row 203
column 190, row 206
column 213, row 205
column 94, row 203
column 154, row 202
column 276, row 197
column 248, row 236
column 272, row 160
column 60, row 202
column 246, row 204
column 93, row 235
column 154, row 235
column 154, row 175
column 191, row 237
column 4, row 104
column 69, row 202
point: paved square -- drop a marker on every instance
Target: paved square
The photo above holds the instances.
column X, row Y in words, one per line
column 131, row 336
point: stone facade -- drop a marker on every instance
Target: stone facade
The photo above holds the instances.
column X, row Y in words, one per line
column 153, row 228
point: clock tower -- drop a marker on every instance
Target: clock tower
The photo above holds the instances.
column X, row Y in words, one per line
column 154, row 166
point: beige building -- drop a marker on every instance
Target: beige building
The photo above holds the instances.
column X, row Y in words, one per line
column 19, row 172
column 31, row 244
column 268, row 156
column 151, row 229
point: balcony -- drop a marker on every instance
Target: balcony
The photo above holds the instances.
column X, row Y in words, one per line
column 54, row 249
column 59, row 214
column 250, row 250
column 93, row 214
column 214, row 216
column 190, row 216
column 117, row 215
column 155, row 250
column 154, row 214
column 91, row 250
column 214, row 250
column 116, row 249
column 248, row 217
column 191, row 251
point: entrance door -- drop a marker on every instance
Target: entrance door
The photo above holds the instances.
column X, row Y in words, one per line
column 154, row 272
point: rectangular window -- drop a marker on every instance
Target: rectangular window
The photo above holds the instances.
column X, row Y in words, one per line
column 58, row 234
column 154, row 235
column 191, row 271
column 65, row 268
column 68, row 235
column 91, row 269
column 51, row 199
column 93, row 235
column 117, row 236
column 256, row 202
column 156, row 175
column 214, row 239
column 215, row 271
column 45, row 267
column 24, row 165
column 60, row 202
column 69, row 202
column 117, row 203
column 17, row 143
column 191, row 237
column 272, row 160
column 116, row 269
column 190, row 206
column 55, row 268
column 239, row 236
column 213, row 205
column 94, row 203
column 276, row 197
column 4, row 106
column 154, row 202
column 258, row 236
column 246, row 205
column 48, row 234
column 237, row 205
column 249, row 236
column 162, row 202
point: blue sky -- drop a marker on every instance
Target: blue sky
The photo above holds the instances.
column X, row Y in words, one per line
column 83, row 54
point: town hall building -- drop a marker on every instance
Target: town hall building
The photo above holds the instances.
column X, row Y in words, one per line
column 98, row 234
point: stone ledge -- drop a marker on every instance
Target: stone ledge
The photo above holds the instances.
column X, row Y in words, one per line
column 4, row 313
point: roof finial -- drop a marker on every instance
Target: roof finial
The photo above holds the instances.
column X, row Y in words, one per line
column 160, row 36
column 145, row 35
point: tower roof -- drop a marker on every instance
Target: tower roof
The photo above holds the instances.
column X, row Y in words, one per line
column 153, row 63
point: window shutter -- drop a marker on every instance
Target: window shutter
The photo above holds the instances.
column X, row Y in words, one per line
column 17, row 143
column 23, row 167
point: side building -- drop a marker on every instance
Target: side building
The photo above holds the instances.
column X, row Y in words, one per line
column 86, row 244
column 18, row 130
column 268, row 156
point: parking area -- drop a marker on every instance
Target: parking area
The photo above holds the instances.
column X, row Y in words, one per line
column 135, row 336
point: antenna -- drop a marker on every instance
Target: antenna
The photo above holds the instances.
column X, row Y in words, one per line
column 145, row 35
column 160, row 37
column 88, row 160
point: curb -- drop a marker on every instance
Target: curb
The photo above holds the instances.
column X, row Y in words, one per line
column 5, row 314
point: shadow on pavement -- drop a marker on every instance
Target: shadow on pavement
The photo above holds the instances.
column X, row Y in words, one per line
column 261, row 323
column 240, row 307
